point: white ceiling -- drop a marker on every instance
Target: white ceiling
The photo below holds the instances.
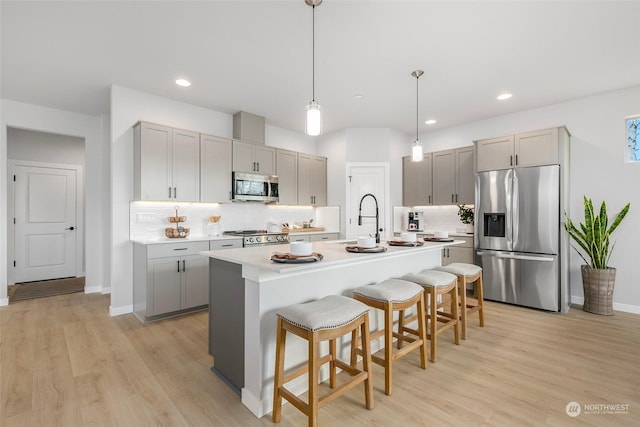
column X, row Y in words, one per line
column 255, row 56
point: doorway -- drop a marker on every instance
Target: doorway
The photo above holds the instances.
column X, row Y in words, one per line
column 45, row 206
column 367, row 178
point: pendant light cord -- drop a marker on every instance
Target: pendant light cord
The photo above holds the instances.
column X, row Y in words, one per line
column 417, row 106
column 313, row 55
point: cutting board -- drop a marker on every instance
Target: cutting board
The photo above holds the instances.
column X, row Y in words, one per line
column 302, row 230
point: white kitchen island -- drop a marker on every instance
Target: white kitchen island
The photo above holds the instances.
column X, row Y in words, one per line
column 247, row 288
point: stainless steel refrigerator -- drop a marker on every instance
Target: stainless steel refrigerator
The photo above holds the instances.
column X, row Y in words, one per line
column 518, row 237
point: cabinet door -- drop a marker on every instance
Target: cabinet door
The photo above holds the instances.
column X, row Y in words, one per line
column 154, row 162
column 163, row 295
column 417, row 184
column 265, row 158
column 465, row 176
column 186, row 166
column 458, row 254
column 195, row 281
column 495, row 153
column 215, row 169
column 319, row 180
column 243, row 160
column 304, row 178
column 287, row 171
column 444, row 177
column 537, row 148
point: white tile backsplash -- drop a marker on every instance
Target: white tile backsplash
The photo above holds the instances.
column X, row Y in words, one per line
column 147, row 220
column 436, row 218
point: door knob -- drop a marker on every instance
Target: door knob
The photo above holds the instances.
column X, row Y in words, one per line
column 70, row 228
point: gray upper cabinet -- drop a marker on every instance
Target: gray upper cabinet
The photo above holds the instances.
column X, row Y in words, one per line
column 537, row 148
column 253, row 158
column 167, row 163
column 312, row 180
column 215, row 169
column 444, row 177
column 287, row 171
column 453, row 176
column 417, row 183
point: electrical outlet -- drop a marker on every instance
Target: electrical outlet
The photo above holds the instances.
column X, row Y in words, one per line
column 145, row 217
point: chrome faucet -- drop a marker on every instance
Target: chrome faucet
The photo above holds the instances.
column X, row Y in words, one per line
column 378, row 230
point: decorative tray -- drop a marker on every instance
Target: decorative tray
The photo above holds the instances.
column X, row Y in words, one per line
column 287, row 258
column 438, row 239
column 403, row 243
column 360, row 250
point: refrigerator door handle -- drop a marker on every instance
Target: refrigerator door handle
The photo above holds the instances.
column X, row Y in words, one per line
column 516, row 256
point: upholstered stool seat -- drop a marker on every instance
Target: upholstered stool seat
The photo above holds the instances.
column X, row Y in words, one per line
column 325, row 319
column 439, row 283
column 395, row 295
column 467, row 273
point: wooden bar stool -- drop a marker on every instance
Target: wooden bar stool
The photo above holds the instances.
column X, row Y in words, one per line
column 395, row 295
column 439, row 283
column 323, row 320
column 467, row 273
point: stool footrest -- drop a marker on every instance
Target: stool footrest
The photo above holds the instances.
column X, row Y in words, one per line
column 303, row 369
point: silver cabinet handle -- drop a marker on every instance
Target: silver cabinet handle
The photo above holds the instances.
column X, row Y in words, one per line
column 516, row 160
column 510, row 160
column 175, row 193
column 184, row 266
column 178, row 266
column 180, row 249
column 429, row 198
column 228, row 245
column 169, row 192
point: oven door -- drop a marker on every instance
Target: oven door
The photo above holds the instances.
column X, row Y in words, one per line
column 254, row 187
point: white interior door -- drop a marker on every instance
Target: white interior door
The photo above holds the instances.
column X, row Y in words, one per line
column 45, row 223
column 367, row 179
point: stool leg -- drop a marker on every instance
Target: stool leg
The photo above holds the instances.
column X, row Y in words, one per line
column 433, row 318
column 400, row 341
column 422, row 330
column 366, row 359
column 313, row 378
column 332, row 364
column 388, row 351
column 462, row 288
column 354, row 348
column 480, row 293
column 281, row 335
column 455, row 313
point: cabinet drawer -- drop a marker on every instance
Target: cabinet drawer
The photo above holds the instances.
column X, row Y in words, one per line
column 298, row 238
column 163, row 250
column 319, row 237
column 225, row 244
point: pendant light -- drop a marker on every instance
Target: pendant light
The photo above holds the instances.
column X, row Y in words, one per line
column 313, row 125
column 416, row 152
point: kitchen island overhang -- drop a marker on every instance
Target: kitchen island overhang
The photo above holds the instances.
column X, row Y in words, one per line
column 247, row 288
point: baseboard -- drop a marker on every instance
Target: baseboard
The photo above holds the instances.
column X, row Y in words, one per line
column 4, row 301
column 119, row 311
column 105, row 291
column 626, row 308
column 92, row 289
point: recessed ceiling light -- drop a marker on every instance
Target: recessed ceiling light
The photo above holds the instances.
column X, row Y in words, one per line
column 430, row 122
column 183, row 82
column 503, row 96
column 359, row 96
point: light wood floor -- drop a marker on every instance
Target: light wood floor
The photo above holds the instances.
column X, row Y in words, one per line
column 64, row 361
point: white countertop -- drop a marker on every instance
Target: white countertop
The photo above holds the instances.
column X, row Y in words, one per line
column 334, row 254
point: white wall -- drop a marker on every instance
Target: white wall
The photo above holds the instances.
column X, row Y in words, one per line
column 598, row 170
column 42, row 119
column 44, row 147
column 129, row 106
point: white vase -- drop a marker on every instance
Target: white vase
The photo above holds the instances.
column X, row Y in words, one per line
column 213, row 229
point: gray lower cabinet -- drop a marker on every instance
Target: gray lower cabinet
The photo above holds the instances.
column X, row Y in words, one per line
column 459, row 253
column 169, row 279
column 294, row 237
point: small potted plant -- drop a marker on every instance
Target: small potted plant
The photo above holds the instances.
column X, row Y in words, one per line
column 465, row 214
column 592, row 237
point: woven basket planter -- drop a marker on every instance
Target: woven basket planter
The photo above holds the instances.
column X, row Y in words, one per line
column 598, row 289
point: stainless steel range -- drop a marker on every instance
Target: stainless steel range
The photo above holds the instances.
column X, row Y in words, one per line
column 259, row 237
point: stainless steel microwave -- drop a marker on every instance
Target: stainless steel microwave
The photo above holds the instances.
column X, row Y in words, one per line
column 251, row 187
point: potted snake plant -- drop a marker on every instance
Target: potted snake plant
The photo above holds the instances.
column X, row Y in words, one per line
column 594, row 247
